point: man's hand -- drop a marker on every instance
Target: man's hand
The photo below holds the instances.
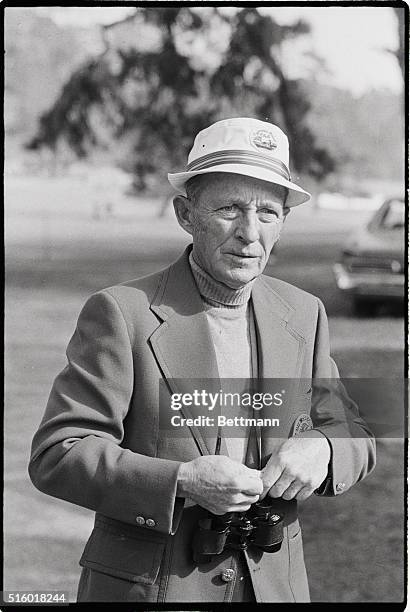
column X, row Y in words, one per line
column 219, row 484
column 298, row 467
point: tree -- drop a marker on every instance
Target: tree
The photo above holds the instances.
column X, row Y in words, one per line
column 156, row 97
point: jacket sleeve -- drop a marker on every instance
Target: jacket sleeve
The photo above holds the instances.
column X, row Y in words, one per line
column 336, row 416
column 76, row 453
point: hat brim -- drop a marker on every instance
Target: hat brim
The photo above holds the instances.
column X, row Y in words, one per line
column 296, row 194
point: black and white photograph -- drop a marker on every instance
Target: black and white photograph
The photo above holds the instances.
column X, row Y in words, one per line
column 205, row 304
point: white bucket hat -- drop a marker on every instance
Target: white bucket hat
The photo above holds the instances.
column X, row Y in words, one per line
column 246, row 146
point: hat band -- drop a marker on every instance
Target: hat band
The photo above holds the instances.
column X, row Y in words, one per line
column 248, row 158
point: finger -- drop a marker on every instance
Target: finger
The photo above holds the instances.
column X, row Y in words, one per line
column 219, row 511
column 270, row 475
column 252, row 472
column 292, row 490
column 280, row 486
column 248, row 470
column 245, row 499
column 304, row 493
column 263, row 494
column 252, row 486
column 272, row 471
column 239, row 508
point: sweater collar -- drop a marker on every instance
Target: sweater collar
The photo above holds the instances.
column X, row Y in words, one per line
column 215, row 292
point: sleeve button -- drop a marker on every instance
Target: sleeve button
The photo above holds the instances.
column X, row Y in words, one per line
column 150, row 522
column 140, row 520
column 340, row 486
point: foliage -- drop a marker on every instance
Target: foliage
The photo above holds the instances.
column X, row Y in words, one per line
column 158, row 96
column 39, row 58
column 363, row 148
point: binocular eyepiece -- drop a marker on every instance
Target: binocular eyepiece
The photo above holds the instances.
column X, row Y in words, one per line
column 260, row 526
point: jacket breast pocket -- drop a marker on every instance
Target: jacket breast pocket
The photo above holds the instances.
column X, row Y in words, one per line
column 120, row 567
column 305, row 398
column 299, row 418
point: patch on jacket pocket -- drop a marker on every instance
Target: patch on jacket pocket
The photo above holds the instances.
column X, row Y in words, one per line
column 117, row 554
column 302, row 423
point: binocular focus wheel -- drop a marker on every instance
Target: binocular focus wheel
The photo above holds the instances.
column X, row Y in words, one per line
column 271, row 549
column 199, row 558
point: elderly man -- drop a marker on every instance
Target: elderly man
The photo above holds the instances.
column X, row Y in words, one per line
column 211, row 315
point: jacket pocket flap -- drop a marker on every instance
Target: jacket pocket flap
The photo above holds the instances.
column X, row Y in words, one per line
column 117, row 554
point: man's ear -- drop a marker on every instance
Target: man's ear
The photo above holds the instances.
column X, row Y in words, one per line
column 183, row 212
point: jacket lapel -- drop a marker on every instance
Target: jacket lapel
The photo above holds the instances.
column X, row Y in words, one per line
column 182, row 344
column 280, row 352
column 280, row 346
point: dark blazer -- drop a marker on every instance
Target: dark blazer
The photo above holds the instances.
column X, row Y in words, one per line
column 99, row 444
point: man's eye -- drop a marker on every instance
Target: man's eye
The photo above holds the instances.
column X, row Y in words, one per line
column 231, row 208
column 268, row 211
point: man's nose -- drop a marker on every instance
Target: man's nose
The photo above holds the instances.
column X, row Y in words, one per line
column 247, row 228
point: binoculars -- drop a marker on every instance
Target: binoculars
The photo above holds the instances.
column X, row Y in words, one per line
column 261, row 526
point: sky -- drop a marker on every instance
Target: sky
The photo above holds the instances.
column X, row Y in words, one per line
column 352, row 41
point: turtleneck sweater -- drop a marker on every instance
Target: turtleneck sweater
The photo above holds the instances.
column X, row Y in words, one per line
column 215, row 292
column 230, row 318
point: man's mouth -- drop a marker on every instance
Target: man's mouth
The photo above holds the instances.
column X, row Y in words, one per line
column 243, row 255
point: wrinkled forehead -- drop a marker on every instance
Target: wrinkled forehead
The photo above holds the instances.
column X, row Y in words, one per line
column 224, row 185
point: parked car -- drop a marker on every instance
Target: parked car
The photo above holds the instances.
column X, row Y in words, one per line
column 371, row 266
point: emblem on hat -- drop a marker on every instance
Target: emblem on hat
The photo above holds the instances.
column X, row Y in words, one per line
column 301, row 424
column 263, row 139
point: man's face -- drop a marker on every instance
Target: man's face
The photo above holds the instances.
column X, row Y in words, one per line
column 235, row 221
